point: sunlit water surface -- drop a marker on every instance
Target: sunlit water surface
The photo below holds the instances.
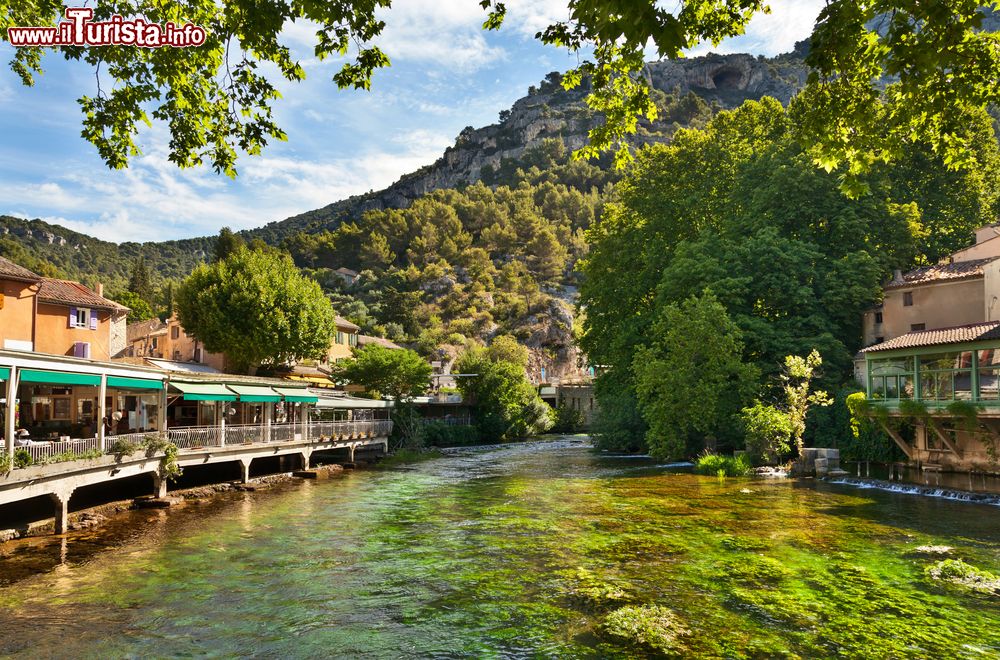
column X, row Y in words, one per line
column 483, row 554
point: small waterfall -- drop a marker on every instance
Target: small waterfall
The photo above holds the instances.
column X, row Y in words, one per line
column 914, row 489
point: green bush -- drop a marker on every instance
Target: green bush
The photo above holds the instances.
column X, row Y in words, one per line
column 729, row 466
column 436, row 434
column 22, row 458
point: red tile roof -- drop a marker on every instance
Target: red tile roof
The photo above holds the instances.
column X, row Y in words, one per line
column 344, row 323
column 67, row 292
column 11, row 271
column 956, row 271
column 956, row 335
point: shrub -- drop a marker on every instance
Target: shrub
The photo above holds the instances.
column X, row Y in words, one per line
column 768, row 432
column 436, row 434
column 22, row 458
column 726, row 466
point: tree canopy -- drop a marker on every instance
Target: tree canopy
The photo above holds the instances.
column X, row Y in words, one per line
column 887, row 73
column 739, row 209
column 257, row 308
column 385, row 372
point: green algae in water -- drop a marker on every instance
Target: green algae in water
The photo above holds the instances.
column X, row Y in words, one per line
column 524, row 552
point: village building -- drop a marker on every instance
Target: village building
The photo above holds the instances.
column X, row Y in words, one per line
column 344, row 341
column 61, row 317
column 167, row 340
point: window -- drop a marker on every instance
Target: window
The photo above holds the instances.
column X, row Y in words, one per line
column 155, row 343
column 175, row 332
column 908, row 299
column 878, row 317
column 946, row 376
column 917, row 327
column 79, row 317
column 892, row 378
column 352, row 339
column 81, row 349
column 879, row 340
column 340, row 337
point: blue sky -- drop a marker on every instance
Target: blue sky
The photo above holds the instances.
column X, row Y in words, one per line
column 446, row 74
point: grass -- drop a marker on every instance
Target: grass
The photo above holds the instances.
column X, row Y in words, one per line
column 723, row 466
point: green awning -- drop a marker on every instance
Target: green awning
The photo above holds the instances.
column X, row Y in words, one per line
column 296, row 395
column 204, row 391
column 135, row 383
column 4, row 373
column 57, row 377
column 255, row 393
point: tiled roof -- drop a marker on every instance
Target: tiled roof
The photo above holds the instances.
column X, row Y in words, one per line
column 956, row 335
column 344, row 323
column 364, row 340
column 10, row 270
column 66, row 292
column 954, row 271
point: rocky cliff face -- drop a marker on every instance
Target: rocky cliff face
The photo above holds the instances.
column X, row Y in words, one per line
column 551, row 112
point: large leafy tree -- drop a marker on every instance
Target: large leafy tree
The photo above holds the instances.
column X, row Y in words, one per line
column 691, row 379
column 217, row 99
column 385, row 372
column 257, row 308
column 739, row 209
column 507, row 406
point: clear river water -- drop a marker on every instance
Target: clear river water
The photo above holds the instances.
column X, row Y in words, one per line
column 520, row 551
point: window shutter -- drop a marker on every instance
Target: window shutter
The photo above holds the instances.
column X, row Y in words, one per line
column 93, row 320
column 72, row 317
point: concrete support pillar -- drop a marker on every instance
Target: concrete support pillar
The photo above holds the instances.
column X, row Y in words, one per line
column 268, row 415
column 61, row 502
column 304, row 419
column 11, row 412
column 306, row 456
column 159, row 485
column 220, row 414
column 350, row 455
column 161, row 411
column 245, row 470
column 102, row 395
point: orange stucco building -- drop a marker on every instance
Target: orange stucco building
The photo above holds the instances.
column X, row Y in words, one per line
column 60, row 317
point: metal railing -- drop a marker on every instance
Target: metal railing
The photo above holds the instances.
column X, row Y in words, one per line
column 62, row 450
column 197, row 437
column 448, row 421
column 350, row 430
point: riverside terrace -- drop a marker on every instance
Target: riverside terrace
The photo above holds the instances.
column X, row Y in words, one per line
column 946, row 382
column 55, row 443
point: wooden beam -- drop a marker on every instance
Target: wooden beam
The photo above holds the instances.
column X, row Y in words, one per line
column 943, row 436
column 907, row 449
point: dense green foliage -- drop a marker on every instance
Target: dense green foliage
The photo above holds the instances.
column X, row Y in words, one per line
column 737, row 208
column 385, row 372
column 505, row 404
column 257, row 308
column 461, row 266
column 691, row 380
column 768, row 431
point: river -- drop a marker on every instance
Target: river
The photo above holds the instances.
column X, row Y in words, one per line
column 520, row 551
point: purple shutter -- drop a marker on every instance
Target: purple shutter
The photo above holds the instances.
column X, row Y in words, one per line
column 72, row 316
column 78, row 349
column 93, row 320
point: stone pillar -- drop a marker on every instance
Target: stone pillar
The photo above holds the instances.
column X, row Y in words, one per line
column 350, row 449
column 306, row 456
column 245, row 469
column 159, row 485
column 221, row 411
column 304, row 416
column 102, row 395
column 61, row 502
column 11, row 426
